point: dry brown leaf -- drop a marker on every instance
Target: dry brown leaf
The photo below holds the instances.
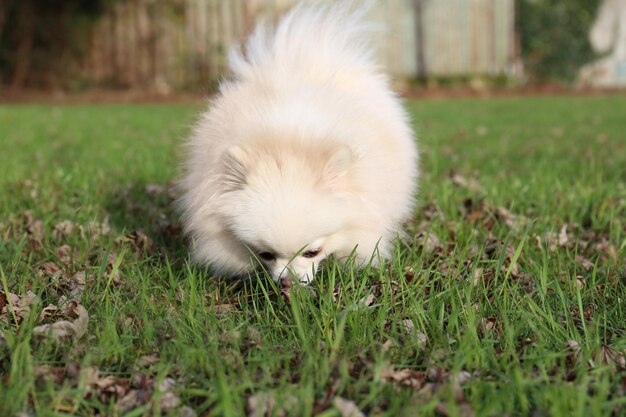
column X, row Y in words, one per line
column 584, row 262
column 347, row 408
column 264, row 404
column 169, row 399
column 419, row 338
column 76, row 286
column 261, row 404
column 405, row 377
column 15, row 307
column 96, row 229
column 368, row 300
column 407, row 325
column 55, row 374
column 148, row 360
column 48, row 312
column 88, row 376
column 50, row 270
column 462, row 410
column 186, row 411
column 34, row 228
column 470, row 184
column 608, row 355
column 64, row 329
column 511, row 220
column 573, row 352
column 431, row 212
column 139, row 241
column 388, row 345
column 580, row 281
column 133, row 399
column 65, row 254
column 563, row 238
column 428, row 241
column 154, row 189
column 486, row 325
column 62, row 229
column 109, row 273
column 607, row 250
column 478, row 276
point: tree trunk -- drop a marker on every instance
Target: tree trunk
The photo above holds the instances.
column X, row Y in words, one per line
column 26, row 20
column 419, row 40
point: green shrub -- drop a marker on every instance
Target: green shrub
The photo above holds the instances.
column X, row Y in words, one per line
column 554, row 37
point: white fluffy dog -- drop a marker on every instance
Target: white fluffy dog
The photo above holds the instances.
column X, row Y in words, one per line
column 305, row 153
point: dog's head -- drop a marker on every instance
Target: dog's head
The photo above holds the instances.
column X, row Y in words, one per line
column 287, row 205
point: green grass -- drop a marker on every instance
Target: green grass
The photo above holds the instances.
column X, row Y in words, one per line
column 481, row 323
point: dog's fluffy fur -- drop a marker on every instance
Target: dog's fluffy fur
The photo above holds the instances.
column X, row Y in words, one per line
column 305, row 153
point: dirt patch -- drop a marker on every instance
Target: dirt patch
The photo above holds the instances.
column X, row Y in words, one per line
column 99, row 96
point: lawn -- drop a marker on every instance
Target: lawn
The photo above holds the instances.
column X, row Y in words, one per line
column 507, row 298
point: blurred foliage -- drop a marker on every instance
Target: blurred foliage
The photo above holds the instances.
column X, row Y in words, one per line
column 555, row 37
column 39, row 38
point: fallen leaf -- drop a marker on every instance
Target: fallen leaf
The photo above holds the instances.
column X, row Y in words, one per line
column 96, row 229
column 428, row 241
column 139, row 241
column 65, row 254
column 63, row 329
column 405, row 377
column 573, row 352
column 584, row 262
column 368, row 300
column 511, row 220
column 469, row 184
column 477, row 277
column 147, row 360
column 407, row 325
column 133, row 399
column 347, row 408
column 75, row 285
column 154, row 189
column 169, row 399
column 34, row 228
column 50, row 270
column 62, row 229
column 186, row 411
column 261, row 404
column 388, row 345
column 563, row 238
column 486, row 325
column 607, row 249
column 48, row 312
column 608, row 355
column 462, row 410
column 16, row 307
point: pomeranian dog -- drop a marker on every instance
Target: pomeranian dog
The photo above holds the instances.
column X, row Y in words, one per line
column 305, row 153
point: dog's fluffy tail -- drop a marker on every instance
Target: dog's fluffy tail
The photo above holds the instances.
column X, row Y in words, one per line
column 326, row 38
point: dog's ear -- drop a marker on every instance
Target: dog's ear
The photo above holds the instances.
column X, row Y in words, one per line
column 337, row 166
column 237, row 162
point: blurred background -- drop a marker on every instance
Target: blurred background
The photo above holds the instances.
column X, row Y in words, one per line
column 169, row 47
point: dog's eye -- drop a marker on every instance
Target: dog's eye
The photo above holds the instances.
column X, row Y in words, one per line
column 267, row 256
column 312, row 253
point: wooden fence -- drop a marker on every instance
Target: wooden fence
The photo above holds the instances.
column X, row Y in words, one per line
column 173, row 44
